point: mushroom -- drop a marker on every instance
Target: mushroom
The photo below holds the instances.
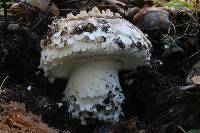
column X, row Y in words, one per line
column 89, row 49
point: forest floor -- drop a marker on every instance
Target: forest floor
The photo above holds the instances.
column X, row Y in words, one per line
column 154, row 101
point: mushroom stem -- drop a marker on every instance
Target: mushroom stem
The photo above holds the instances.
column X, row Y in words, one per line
column 94, row 90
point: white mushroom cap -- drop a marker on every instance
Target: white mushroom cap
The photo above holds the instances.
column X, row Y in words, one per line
column 71, row 42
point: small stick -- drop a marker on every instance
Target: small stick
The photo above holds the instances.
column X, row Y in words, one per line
column 183, row 130
column 186, row 60
column 1, row 86
column 188, row 87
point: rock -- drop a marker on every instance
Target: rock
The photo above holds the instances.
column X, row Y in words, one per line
column 13, row 26
column 153, row 18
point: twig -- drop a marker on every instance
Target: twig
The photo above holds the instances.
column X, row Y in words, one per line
column 188, row 87
column 3, row 84
column 186, row 60
column 186, row 34
column 183, row 130
column 67, row 2
column 115, row 2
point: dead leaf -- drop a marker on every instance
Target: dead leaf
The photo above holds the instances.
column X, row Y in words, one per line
column 25, row 9
column 24, row 121
column 196, row 80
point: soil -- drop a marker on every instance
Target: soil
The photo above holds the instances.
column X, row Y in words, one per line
column 154, row 102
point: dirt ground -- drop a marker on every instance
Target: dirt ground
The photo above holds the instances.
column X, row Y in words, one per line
column 154, row 102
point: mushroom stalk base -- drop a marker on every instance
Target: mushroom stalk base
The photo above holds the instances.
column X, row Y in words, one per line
column 94, row 91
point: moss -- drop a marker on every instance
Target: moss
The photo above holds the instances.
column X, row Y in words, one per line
column 178, row 4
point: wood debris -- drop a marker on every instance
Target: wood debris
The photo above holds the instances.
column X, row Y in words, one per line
column 22, row 121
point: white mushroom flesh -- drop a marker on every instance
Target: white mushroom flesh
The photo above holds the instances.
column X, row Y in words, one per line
column 93, row 90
